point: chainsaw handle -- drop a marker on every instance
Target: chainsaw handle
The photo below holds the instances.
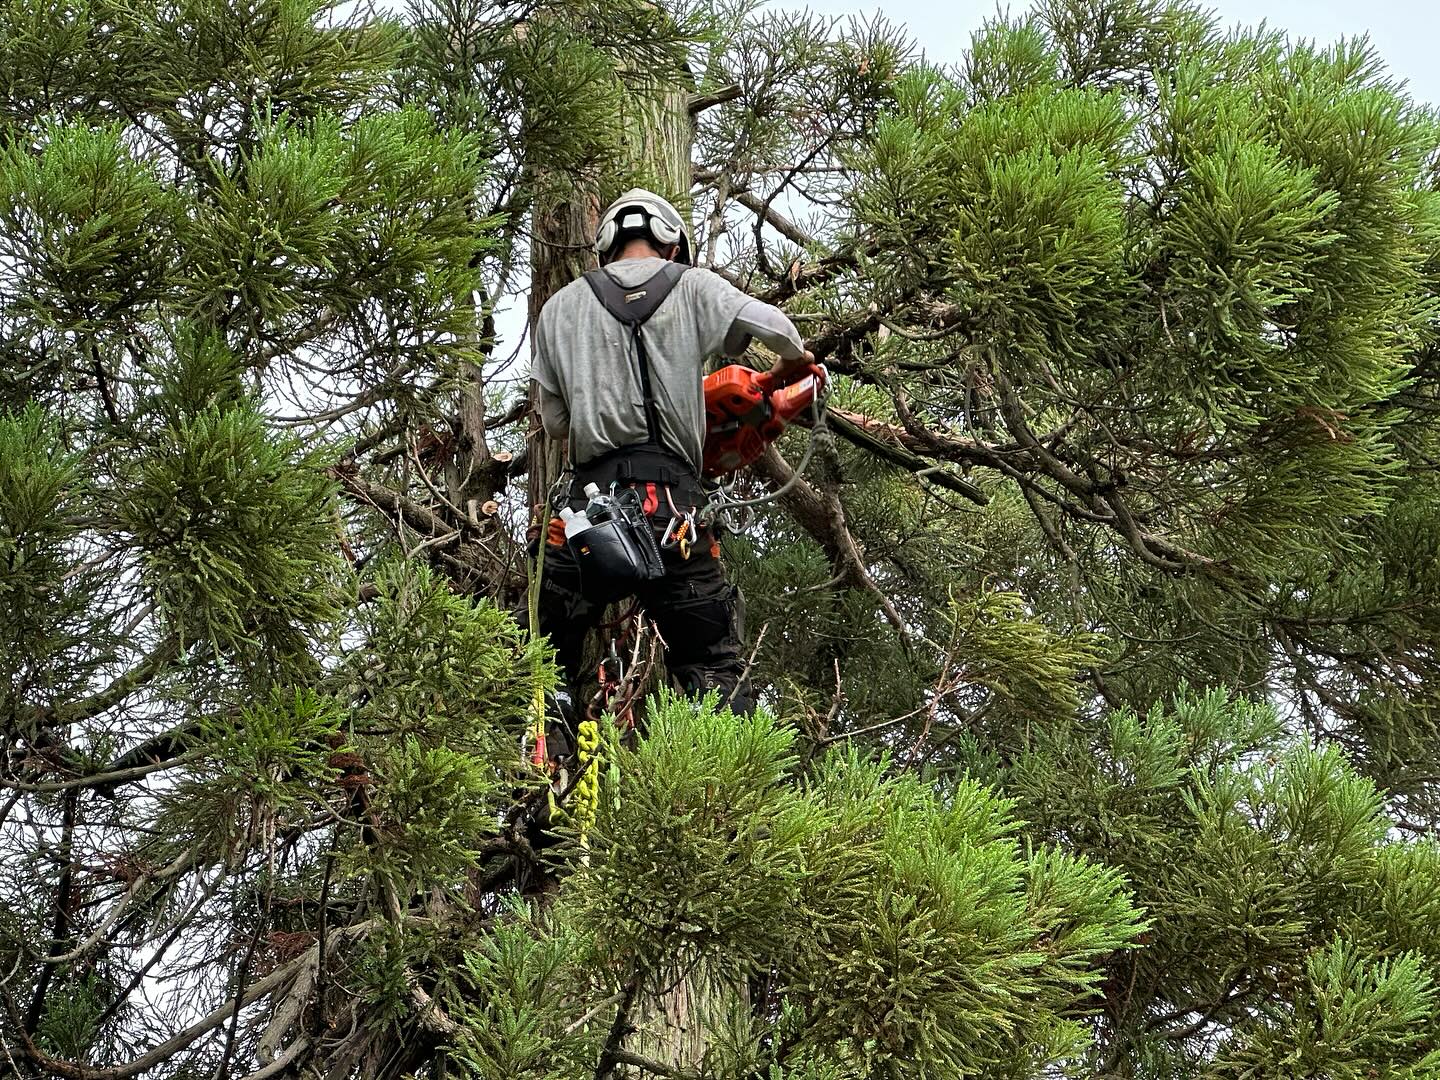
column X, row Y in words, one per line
column 767, row 381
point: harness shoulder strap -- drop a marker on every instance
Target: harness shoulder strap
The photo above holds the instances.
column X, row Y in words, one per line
column 633, row 307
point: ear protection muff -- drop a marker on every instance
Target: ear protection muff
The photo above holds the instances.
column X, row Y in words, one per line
column 641, row 213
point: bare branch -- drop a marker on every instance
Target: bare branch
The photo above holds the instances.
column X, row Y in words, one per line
column 700, row 102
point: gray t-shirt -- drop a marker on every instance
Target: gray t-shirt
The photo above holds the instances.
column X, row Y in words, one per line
column 583, row 355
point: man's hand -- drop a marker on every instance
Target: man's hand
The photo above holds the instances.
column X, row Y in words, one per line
column 787, row 371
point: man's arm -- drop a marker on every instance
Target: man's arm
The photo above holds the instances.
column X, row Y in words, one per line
column 773, row 328
column 554, row 416
column 554, row 413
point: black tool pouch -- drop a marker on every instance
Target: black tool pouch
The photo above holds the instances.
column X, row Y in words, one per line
column 618, row 555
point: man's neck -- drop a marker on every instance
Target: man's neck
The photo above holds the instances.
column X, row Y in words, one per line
column 637, row 251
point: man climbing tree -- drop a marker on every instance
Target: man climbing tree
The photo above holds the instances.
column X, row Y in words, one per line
column 619, row 357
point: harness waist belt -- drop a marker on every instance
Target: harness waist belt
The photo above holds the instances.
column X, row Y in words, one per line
column 641, row 463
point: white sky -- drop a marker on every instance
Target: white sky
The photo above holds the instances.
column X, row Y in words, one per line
column 1406, row 32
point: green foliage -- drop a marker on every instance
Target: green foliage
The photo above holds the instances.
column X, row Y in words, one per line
column 518, row 974
column 995, row 645
column 1202, row 265
column 212, row 214
column 235, row 530
column 702, row 796
column 374, row 211
column 925, row 877
column 264, row 766
column 201, row 376
column 1132, row 321
column 275, row 753
column 87, row 229
column 70, row 1029
column 379, row 975
column 1259, row 866
column 435, row 660
column 908, row 930
column 431, row 814
column 44, row 653
column 1350, row 1014
column 809, row 629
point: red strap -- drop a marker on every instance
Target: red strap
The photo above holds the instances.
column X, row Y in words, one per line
column 652, row 500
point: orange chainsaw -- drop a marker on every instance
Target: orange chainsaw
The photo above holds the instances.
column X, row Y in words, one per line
column 745, row 411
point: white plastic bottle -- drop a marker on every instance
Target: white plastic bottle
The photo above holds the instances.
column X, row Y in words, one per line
column 601, row 508
column 575, row 521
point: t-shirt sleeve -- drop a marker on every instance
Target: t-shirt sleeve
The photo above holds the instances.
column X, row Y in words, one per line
column 554, row 416
column 542, row 365
column 716, row 303
column 768, row 324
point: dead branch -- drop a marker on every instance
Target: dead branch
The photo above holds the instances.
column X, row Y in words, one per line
column 700, row 102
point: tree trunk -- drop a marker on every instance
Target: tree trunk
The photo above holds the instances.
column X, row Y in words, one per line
column 671, row 1026
column 660, row 135
column 562, row 232
column 674, row 1025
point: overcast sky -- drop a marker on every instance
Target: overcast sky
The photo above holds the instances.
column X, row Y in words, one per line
column 1406, row 32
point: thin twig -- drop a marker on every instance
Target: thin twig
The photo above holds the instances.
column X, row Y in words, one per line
column 605, row 1067
column 613, row 999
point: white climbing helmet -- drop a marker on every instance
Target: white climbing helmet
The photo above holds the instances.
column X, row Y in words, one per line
column 640, row 213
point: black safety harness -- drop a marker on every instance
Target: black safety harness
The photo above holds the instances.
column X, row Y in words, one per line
column 651, row 461
column 647, row 479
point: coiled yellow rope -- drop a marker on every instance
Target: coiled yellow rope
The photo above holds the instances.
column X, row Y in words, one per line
column 585, row 798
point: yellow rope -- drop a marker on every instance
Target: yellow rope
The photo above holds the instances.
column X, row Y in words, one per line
column 585, row 799
column 537, row 701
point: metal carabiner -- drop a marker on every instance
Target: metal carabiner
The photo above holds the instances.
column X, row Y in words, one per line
column 677, row 533
column 681, row 530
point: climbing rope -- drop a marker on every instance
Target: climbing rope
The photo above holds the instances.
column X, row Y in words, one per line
column 585, row 798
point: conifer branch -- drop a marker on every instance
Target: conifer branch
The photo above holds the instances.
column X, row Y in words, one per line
column 810, row 275
column 700, row 102
column 766, row 215
column 774, row 218
column 123, row 686
column 655, row 1068
column 62, row 913
column 393, row 505
column 163, row 1051
column 823, row 517
column 862, row 431
column 282, row 1062
column 183, row 862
